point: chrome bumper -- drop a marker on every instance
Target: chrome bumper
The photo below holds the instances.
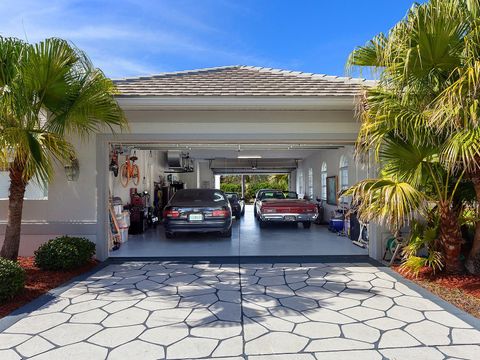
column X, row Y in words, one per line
column 288, row 217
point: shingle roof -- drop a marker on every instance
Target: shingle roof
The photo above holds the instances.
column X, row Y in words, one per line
column 240, row 80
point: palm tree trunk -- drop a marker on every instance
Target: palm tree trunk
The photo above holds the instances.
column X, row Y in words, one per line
column 11, row 243
column 473, row 260
column 451, row 239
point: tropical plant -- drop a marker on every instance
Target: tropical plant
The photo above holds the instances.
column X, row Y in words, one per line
column 457, row 114
column 229, row 187
column 279, row 181
column 419, row 62
column 48, row 91
column 423, row 237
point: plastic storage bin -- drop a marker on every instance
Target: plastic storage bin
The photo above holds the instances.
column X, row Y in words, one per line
column 336, row 225
column 124, row 235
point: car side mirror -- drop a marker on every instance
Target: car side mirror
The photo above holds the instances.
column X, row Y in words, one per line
column 242, row 198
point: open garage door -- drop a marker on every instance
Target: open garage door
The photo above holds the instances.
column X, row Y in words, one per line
column 138, row 206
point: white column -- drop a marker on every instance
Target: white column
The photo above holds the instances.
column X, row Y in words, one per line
column 217, row 182
column 197, row 170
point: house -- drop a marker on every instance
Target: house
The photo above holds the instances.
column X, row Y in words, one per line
column 229, row 120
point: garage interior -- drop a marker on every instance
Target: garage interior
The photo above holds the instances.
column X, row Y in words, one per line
column 134, row 208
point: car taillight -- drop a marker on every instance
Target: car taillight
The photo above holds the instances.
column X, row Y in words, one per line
column 171, row 214
column 221, row 213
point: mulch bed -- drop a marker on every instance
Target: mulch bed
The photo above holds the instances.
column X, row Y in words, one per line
column 463, row 291
column 39, row 282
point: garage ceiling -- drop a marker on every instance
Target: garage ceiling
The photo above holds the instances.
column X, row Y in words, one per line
column 200, row 151
column 242, row 158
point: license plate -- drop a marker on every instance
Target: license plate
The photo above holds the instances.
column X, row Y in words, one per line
column 195, row 217
column 290, row 218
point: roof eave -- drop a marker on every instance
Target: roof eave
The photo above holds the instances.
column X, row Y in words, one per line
column 236, row 103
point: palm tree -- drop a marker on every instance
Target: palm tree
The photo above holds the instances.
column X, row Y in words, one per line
column 48, row 91
column 412, row 182
column 279, row 180
column 416, row 62
column 456, row 113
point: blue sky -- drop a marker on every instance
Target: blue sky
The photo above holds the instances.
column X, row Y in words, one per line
column 131, row 37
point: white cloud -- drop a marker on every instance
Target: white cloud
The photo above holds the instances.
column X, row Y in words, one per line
column 132, row 37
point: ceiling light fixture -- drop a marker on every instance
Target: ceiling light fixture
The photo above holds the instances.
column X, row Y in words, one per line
column 249, row 156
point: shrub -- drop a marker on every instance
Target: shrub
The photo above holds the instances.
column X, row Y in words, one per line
column 12, row 279
column 254, row 187
column 64, row 253
column 228, row 187
column 421, row 250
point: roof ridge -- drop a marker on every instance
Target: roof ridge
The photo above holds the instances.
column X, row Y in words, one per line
column 300, row 74
column 344, row 79
column 179, row 72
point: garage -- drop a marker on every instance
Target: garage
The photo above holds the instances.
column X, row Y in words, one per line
column 190, row 130
column 161, row 174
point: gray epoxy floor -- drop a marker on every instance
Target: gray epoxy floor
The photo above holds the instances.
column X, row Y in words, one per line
column 232, row 311
column 247, row 240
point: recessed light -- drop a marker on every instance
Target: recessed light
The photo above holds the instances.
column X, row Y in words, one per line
column 249, row 156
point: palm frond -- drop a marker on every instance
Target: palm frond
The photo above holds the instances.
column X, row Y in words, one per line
column 462, row 151
column 390, row 202
column 55, row 79
column 409, row 162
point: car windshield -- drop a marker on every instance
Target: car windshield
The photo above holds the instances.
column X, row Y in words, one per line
column 272, row 195
column 199, row 195
column 291, row 195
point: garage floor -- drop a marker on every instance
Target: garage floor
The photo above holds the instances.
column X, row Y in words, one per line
column 247, row 240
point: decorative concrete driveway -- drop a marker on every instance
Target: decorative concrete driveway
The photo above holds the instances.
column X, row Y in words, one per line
column 158, row 310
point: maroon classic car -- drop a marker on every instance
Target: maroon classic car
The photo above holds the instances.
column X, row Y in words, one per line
column 279, row 206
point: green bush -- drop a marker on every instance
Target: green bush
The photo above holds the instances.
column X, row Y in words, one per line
column 64, row 253
column 229, row 187
column 12, row 279
column 253, row 188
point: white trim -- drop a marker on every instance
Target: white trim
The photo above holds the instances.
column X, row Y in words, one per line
column 235, row 103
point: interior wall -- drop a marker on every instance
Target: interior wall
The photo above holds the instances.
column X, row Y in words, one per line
column 292, row 183
column 152, row 165
column 206, row 177
column 189, row 179
column 356, row 172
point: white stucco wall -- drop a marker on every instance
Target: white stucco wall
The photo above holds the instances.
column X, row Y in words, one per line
column 71, row 208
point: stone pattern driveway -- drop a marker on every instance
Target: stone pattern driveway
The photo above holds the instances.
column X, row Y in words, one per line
column 170, row 310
